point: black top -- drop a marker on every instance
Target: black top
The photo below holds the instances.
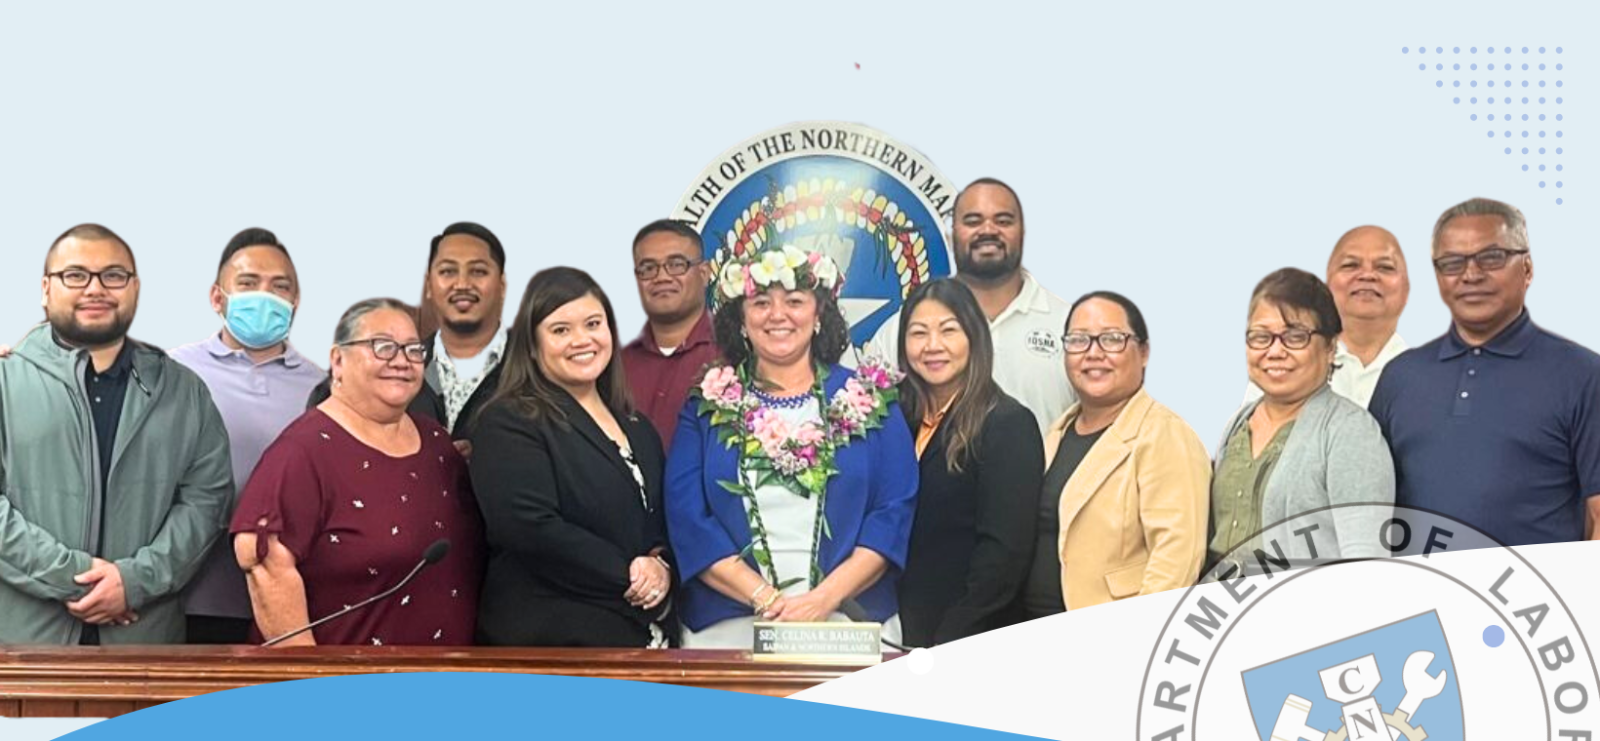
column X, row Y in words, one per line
column 974, row 530
column 1043, row 596
column 564, row 521
column 106, row 393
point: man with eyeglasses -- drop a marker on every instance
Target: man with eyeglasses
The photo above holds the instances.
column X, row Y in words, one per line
column 668, row 356
column 1496, row 423
column 1025, row 319
column 462, row 301
column 259, row 384
column 1367, row 275
column 114, row 463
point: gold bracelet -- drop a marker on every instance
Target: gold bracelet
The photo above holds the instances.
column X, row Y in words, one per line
column 770, row 600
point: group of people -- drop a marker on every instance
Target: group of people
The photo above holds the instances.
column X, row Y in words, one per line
column 993, row 457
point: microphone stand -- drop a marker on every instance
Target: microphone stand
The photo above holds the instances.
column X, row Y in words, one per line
column 363, row 603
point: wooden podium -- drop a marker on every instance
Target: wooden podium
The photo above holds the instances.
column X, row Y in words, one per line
column 74, row 682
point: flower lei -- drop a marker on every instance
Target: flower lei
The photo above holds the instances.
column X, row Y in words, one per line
column 744, row 276
column 799, row 459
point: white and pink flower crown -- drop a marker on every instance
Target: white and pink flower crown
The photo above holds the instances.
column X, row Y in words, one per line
column 744, row 276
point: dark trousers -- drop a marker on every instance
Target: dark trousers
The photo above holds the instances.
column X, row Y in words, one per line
column 218, row 631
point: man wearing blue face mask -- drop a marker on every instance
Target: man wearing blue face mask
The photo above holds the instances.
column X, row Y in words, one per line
column 259, row 384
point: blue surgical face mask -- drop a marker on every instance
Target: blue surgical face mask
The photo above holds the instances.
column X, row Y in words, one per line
column 258, row 319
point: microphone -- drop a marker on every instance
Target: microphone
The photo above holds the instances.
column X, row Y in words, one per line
column 434, row 554
column 857, row 614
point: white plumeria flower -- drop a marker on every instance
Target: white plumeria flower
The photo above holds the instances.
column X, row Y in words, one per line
column 793, row 257
column 826, row 271
column 732, row 280
column 786, row 277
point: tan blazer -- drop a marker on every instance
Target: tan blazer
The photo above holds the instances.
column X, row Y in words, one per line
column 1133, row 515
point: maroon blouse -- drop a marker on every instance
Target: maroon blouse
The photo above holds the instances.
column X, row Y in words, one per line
column 358, row 520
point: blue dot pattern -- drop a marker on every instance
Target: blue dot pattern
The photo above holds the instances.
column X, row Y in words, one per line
column 1496, row 631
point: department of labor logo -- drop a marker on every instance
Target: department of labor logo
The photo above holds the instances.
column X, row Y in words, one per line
column 1389, row 683
column 1370, row 622
column 874, row 205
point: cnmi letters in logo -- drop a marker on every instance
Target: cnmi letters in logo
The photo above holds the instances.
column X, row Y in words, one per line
column 1366, row 622
column 1381, row 685
column 874, row 205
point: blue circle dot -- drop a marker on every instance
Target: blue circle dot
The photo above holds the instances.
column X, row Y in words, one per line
column 1558, row 83
column 1491, row 67
column 1558, row 50
column 1524, row 116
column 1524, row 83
column 1508, row 101
column 1541, row 135
column 1456, row 100
column 1405, row 50
column 1474, row 50
column 1491, row 50
column 1541, row 117
column 1541, row 150
column 1456, row 50
column 1541, row 168
column 1438, row 66
column 1524, row 50
column 1558, row 101
column 1493, row 636
column 1558, row 135
column 1474, row 83
column 1508, row 150
column 1457, row 83
column 1541, row 83
column 1541, row 101
column 1558, row 117
column 1474, row 66
column 1439, row 83
column 1473, row 117
column 1524, row 134
column 1541, row 50
column 1508, row 84
column 1455, row 66
column 1558, row 168
column 1524, row 168
column 1558, row 150
column 1558, row 183
column 1491, row 135
column 1524, row 150
column 1508, row 50
column 1508, row 134
column 1558, row 201
column 1491, row 83
column 1524, row 65
column 1558, row 68
column 1524, row 101
column 1422, row 50
column 1541, row 183
column 1541, row 65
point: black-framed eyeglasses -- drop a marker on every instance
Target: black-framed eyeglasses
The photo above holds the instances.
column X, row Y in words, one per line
column 1293, row 338
column 675, row 266
column 111, row 278
column 384, row 348
column 1488, row 260
column 1111, row 342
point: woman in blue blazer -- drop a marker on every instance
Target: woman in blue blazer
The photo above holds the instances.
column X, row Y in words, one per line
column 792, row 480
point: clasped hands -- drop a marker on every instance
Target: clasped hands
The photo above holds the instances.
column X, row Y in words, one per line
column 648, row 583
column 107, row 601
column 815, row 606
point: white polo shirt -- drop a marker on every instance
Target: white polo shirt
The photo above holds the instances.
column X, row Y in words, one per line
column 1029, row 363
column 1352, row 380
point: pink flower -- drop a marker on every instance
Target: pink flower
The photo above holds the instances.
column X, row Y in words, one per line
column 809, row 435
column 771, row 430
column 807, row 454
column 814, row 257
column 734, row 392
column 716, row 382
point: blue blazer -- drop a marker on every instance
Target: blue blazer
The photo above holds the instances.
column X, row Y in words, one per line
column 870, row 504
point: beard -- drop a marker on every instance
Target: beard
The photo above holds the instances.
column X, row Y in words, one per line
column 74, row 333
column 464, row 326
column 1007, row 264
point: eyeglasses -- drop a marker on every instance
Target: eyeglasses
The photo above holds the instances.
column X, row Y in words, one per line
column 1293, row 338
column 1488, row 260
column 1111, row 342
column 385, row 349
column 111, row 278
column 675, row 266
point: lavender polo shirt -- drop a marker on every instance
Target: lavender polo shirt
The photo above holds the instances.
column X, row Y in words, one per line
column 257, row 401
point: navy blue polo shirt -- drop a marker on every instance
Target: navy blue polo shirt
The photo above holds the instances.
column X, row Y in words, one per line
column 1505, row 437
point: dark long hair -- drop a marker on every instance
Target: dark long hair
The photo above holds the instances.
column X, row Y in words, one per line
column 978, row 393
column 827, row 347
column 522, row 383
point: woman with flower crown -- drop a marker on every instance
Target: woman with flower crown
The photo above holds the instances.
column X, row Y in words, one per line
column 792, row 480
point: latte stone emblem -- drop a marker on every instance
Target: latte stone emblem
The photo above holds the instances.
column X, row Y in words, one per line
column 876, row 206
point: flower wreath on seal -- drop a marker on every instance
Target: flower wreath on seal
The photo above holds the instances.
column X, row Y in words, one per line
column 771, row 451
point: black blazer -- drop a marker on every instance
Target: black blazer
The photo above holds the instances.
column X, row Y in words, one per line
column 468, row 418
column 973, row 536
column 564, row 521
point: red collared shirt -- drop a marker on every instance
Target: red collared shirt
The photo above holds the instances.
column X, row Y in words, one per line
column 660, row 383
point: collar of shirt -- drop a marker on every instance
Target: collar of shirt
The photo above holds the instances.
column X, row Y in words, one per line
column 121, row 365
column 1392, row 348
column 1510, row 343
column 931, row 423
column 219, row 349
column 1030, row 299
column 442, row 358
column 699, row 335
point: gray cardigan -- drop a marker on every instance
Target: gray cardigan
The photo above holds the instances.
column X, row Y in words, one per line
column 1335, row 455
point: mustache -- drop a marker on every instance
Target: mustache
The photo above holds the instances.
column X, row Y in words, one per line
column 983, row 241
column 470, row 295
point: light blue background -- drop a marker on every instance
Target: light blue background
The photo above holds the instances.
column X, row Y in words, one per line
column 1173, row 152
column 1268, row 686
